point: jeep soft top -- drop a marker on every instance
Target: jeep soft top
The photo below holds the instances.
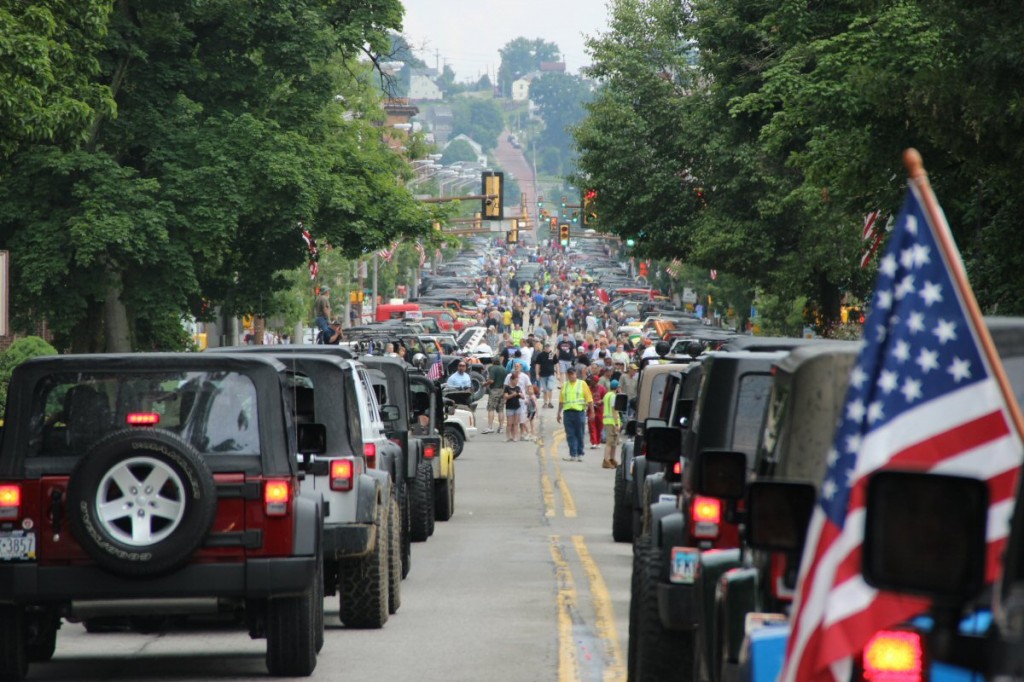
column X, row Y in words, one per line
column 147, row 484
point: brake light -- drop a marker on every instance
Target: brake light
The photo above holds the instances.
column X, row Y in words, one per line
column 10, row 501
column 142, row 419
column 706, row 514
column 276, row 495
column 893, row 656
column 370, row 453
column 429, row 451
column 677, row 468
column 342, row 471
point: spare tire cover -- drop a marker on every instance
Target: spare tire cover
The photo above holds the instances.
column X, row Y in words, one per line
column 141, row 501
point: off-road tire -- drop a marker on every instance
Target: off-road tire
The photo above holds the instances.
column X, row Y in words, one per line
column 444, row 498
column 189, row 484
column 363, row 583
column 41, row 635
column 291, row 635
column 318, row 604
column 639, row 547
column 454, row 439
column 394, row 556
column 422, row 493
column 622, row 519
column 660, row 654
column 13, row 652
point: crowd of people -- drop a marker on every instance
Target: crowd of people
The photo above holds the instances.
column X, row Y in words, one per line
column 556, row 348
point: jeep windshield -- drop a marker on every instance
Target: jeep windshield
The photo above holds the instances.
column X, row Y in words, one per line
column 213, row 411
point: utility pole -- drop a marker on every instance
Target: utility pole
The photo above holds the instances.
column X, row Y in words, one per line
column 376, row 258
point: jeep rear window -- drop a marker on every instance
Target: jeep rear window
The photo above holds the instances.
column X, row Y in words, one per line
column 750, row 408
column 213, row 411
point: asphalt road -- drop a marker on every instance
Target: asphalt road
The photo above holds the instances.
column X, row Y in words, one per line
column 524, row 583
column 514, row 162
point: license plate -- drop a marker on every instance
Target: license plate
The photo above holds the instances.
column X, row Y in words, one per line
column 17, row 545
column 684, row 565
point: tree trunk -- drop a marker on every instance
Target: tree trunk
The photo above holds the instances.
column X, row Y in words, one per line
column 830, row 299
column 115, row 318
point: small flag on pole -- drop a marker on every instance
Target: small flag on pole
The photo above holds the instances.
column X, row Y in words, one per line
column 436, row 369
column 714, row 274
column 928, row 393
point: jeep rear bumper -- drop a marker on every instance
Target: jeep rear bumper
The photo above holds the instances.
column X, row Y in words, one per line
column 30, row 583
column 349, row 540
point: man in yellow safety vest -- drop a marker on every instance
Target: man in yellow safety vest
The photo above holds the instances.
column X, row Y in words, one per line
column 612, row 424
column 575, row 403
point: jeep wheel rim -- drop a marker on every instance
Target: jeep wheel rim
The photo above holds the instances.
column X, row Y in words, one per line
column 140, row 501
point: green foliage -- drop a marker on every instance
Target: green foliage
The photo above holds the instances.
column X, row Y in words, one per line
column 521, row 56
column 753, row 135
column 19, row 351
column 479, row 118
column 235, row 121
column 458, row 150
column 561, row 101
column 780, row 317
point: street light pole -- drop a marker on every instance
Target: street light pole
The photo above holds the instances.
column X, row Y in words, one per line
column 375, row 259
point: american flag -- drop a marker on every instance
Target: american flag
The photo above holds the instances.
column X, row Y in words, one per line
column 314, row 254
column 872, row 236
column 436, row 370
column 423, row 253
column 922, row 396
column 714, row 274
column 388, row 253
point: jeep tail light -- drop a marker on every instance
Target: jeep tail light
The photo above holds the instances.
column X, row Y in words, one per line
column 429, row 451
column 142, row 419
column 677, row 468
column 706, row 514
column 894, row 656
column 10, row 501
column 342, row 473
column 276, row 495
column 370, row 453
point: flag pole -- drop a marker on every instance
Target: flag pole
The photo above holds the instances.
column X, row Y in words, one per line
column 918, row 176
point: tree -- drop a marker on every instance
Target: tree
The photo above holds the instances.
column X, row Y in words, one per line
column 458, row 150
column 521, row 56
column 47, row 88
column 479, row 119
column 191, row 196
column 484, row 84
column 561, row 99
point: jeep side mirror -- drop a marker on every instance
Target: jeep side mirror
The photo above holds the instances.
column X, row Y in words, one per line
column 390, row 413
column 664, row 444
column 778, row 513
column 719, row 473
column 621, row 402
column 926, row 534
column 312, row 439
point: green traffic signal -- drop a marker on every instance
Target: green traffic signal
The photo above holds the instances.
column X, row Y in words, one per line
column 630, row 242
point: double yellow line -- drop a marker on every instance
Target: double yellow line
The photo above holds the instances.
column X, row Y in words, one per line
column 614, row 669
column 568, row 504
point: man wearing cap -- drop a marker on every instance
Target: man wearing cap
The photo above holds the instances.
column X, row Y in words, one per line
column 628, row 383
column 612, row 424
column 575, row 403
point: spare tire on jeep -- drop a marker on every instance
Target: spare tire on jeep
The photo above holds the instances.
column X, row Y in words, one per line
column 140, row 502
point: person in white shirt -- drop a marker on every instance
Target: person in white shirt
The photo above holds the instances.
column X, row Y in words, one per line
column 515, row 401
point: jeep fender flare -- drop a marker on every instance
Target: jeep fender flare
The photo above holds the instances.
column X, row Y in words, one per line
column 627, row 459
column 664, row 533
column 640, row 471
column 658, row 485
column 415, row 456
column 369, row 499
column 308, row 521
column 736, row 595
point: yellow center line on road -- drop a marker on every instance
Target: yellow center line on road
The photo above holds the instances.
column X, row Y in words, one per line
column 568, row 664
column 614, row 670
column 568, row 503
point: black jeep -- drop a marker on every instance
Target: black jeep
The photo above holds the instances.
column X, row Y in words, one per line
column 146, row 484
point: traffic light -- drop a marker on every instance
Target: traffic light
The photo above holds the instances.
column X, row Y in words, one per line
column 513, row 234
column 492, row 206
column 564, row 203
column 589, row 207
column 564, row 234
column 630, row 243
column 575, row 217
column 540, row 202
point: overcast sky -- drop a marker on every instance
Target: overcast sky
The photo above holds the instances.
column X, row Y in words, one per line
column 467, row 34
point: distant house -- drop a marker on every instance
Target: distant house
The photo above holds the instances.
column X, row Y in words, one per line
column 422, row 86
column 398, row 113
column 442, row 121
column 521, row 86
column 552, row 67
